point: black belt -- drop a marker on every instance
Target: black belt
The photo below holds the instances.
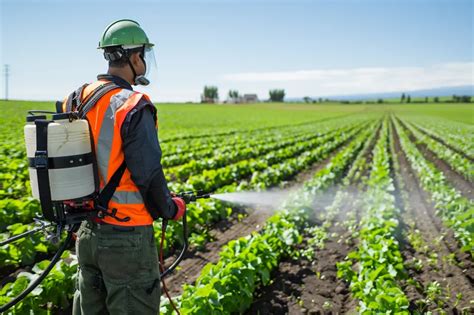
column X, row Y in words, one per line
column 119, row 228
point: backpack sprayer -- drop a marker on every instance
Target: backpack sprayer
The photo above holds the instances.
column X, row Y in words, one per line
column 64, row 177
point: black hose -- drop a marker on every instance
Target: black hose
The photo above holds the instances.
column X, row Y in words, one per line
column 33, row 112
column 35, row 283
column 183, row 251
column 19, row 236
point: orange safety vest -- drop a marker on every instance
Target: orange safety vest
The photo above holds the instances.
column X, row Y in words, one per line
column 106, row 118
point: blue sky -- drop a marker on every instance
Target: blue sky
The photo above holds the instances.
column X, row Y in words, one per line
column 313, row 48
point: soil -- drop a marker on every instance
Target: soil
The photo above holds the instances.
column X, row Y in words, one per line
column 300, row 286
column 310, row 287
column 191, row 266
column 454, row 277
column 463, row 154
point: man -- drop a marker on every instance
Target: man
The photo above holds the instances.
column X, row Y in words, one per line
column 118, row 260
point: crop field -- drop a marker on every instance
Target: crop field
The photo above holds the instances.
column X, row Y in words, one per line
column 377, row 216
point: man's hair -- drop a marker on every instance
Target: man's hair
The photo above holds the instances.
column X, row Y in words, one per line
column 123, row 61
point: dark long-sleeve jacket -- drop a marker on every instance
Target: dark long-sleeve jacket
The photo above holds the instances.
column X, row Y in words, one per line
column 142, row 153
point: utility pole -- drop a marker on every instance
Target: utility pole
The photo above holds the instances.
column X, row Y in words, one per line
column 7, row 73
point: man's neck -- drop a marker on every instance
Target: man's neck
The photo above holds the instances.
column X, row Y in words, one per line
column 117, row 80
column 121, row 73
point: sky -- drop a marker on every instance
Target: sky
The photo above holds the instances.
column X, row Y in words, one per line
column 309, row 48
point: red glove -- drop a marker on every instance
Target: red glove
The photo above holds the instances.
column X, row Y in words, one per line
column 181, row 205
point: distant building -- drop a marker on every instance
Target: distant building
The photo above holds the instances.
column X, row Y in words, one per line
column 250, row 98
column 208, row 100
column 233, row 100
column 247, row 98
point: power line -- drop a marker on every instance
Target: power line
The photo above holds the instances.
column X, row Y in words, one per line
column 7, row 73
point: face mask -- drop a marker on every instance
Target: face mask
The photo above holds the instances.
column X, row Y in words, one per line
column 141, row 80
column 150, row 67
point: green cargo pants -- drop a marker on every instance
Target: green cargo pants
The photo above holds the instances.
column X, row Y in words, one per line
column 118, row 270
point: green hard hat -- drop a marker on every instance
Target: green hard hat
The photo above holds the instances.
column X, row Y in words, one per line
column 124, row 32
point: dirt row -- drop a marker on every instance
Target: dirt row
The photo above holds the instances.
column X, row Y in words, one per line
column 437, row 251
column 223, row 232
column 303, row 287
column 465, row 187
column 463, row 154
column 228, row 230
column 300, row 286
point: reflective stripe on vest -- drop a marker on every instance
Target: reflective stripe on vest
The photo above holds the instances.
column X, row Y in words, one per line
column 127, row 197
column 107, row 130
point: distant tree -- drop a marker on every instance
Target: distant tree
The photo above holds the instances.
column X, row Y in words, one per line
column 402, row 99
column 320, row 99
column 277, row 95
column 307, row 99
column 380, row 101
column 436, row 99
column 408, row 99
column 466, row 99
column 233, row 94
column 462, row 98
column 426, row 99
column 210, row 95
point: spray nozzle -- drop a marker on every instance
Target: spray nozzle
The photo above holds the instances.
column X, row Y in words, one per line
column 190, row 196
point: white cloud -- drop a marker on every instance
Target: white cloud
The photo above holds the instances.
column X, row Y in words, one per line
column 163, row 94
column 313, row 82
column 356, row 80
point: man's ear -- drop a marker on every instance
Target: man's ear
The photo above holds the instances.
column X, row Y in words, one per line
column 135, row 59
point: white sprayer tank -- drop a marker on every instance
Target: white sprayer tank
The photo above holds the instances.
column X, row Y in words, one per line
column 68, row 140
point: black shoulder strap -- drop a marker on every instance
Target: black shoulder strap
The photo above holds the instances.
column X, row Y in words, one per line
column 77, row 97
column 94, row 97
column 74, row 99
column 109, row 189
column 107, row 193
column 59, row 107
column 74, row 103
column 69, row 102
